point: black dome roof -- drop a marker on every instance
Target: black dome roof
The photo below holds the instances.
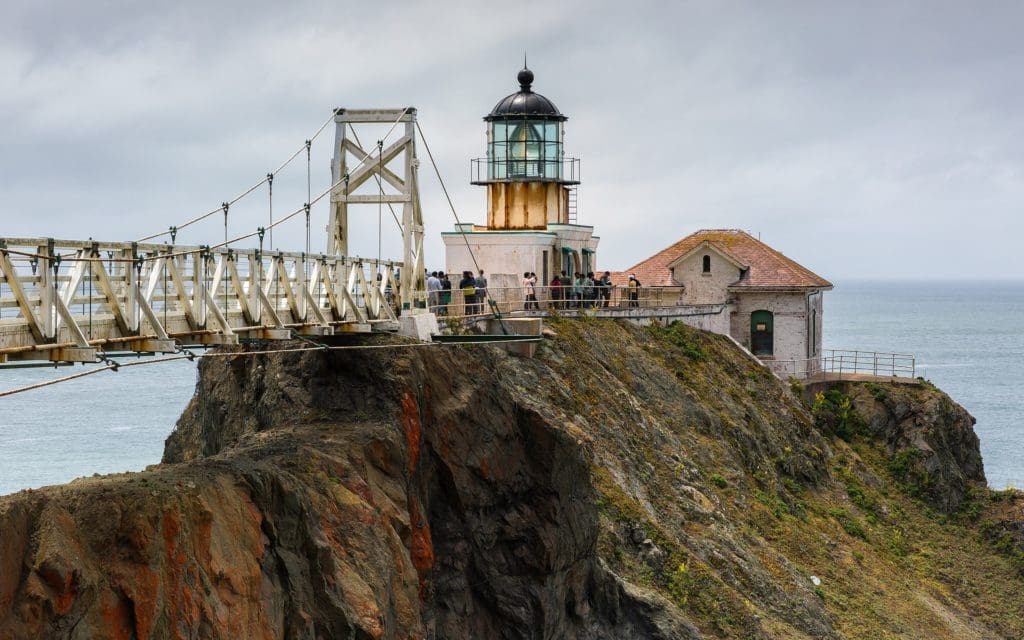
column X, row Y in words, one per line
column 525, row 103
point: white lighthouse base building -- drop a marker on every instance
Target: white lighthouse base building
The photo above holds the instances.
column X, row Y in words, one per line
column 505, row 255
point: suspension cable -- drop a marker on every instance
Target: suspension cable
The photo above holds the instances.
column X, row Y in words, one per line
column 39, row 385
column 270, row 185
column 89, row 266
column 244, row 193
column 305, row 266
column 380, row 200
column 309, row 193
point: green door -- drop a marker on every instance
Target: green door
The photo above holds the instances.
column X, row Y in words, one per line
column 761, row 333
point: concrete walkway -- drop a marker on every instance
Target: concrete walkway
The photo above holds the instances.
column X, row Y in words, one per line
column 858, row 377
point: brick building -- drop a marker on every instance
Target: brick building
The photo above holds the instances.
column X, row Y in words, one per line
column 771, row 304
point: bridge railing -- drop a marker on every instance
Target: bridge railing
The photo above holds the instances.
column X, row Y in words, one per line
column 57, row 294
column 453, row 303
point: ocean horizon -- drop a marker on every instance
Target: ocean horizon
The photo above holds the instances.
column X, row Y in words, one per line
column 963, row 335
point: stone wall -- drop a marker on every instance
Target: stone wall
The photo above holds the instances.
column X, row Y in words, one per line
column 790, row 322
column 706, row 288
column 715, row 321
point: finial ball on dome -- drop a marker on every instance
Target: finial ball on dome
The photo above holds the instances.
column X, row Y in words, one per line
column 525, row 79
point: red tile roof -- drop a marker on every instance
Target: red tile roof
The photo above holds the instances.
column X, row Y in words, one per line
column 765, row 267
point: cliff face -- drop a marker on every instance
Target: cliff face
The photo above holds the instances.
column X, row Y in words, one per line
column 931, row 437
column 625, row 483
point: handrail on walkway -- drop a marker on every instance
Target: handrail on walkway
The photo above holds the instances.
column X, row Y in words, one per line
column 847, row 361
column 458, row 303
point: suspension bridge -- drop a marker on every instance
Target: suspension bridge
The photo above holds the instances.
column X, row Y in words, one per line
column 66, row 301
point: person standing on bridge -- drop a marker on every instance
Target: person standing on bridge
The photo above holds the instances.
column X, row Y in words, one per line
column 481, row 291
column 433, row 292
column 577, row 292
column 589, row 290
column 396, row 293
column 529, row 291
column 566, row 290
column 445, row 297
column 555, row 287
column 634, row 290
column 604, row 289
column 468, row 286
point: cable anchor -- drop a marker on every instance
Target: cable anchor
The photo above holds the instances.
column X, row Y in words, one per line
column 113, row 364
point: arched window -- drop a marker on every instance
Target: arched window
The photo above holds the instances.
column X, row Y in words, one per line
column 762, row 342
column 707, row 264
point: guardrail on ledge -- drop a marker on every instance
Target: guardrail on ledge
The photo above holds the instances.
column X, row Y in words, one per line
column 847, row 361
column 453, row 303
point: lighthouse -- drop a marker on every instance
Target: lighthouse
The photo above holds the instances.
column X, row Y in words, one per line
column 532, row 200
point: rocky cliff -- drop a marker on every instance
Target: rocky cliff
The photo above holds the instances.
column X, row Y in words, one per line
column 625, row 483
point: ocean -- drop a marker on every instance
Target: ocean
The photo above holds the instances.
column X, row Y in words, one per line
column 964, row 335
column 966, row 341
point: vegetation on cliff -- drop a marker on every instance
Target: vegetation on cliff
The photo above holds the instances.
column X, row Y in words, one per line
column 624, row 483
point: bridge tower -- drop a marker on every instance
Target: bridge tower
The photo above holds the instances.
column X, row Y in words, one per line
column 403, row 186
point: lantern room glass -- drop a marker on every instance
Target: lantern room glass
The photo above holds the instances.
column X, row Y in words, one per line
column 525, row 149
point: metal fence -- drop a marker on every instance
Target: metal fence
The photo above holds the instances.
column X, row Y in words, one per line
column 454, row 302
column 839, row 362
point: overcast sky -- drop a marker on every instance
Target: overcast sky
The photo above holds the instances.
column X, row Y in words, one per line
column 864, row 139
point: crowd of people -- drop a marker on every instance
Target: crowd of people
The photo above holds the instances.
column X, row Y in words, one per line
column 439, row 292
column 563, row 292
column 583, row 291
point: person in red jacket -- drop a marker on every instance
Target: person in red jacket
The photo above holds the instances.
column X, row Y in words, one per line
column 556, row 293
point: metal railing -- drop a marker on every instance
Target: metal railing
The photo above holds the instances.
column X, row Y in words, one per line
column 453, row 303
column 484, row 170
column 839, row 362
column 896, row 365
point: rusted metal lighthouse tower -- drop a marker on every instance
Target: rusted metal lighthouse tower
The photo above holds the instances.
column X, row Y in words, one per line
column 528, row 178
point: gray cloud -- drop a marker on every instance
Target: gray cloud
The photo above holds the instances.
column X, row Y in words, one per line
column 864, row 139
